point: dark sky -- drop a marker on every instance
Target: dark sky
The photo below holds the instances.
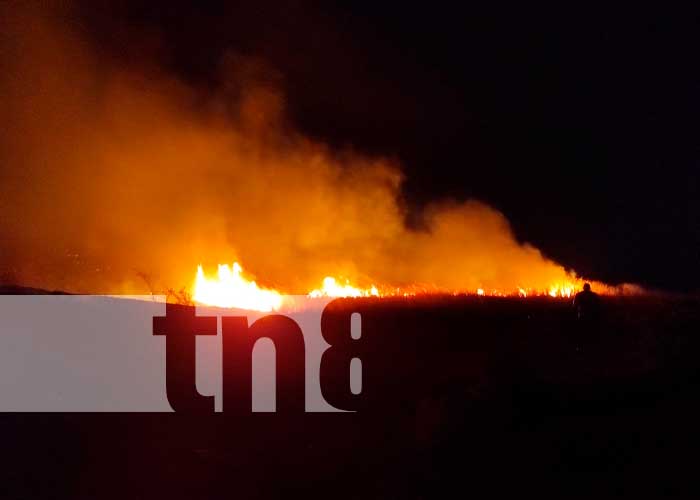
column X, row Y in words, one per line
column 580, row 125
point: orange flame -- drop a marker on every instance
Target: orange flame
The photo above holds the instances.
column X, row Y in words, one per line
column 331, row 288
column 231, row 289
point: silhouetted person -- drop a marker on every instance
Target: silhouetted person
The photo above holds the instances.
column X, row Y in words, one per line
column 587, row 304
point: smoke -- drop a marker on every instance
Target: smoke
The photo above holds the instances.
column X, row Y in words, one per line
column 120, row 179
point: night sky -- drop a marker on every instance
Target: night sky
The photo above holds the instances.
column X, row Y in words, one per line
column 580, row 125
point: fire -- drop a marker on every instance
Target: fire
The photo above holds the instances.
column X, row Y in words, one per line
column 230, row 289
column 331, row 288
column 556, row 290
column 562, row 290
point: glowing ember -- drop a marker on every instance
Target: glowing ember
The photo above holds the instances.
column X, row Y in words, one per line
column 331, row 288
column 230, row 289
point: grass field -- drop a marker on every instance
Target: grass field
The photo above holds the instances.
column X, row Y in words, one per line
column 463, row 396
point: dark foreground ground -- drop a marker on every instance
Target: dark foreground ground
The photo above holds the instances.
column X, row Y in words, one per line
column 467, row 397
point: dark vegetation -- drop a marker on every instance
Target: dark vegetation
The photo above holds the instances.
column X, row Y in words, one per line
column 465, row 396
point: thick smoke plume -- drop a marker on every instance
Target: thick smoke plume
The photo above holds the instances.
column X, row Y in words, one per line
column 122, row 179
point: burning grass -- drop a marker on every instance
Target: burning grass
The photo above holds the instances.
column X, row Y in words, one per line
column 230, row 288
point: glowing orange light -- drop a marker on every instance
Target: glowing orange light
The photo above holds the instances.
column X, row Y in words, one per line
column 331, row 288
column 230, row 289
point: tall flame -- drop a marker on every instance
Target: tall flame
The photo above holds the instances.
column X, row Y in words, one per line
column 230, row 289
